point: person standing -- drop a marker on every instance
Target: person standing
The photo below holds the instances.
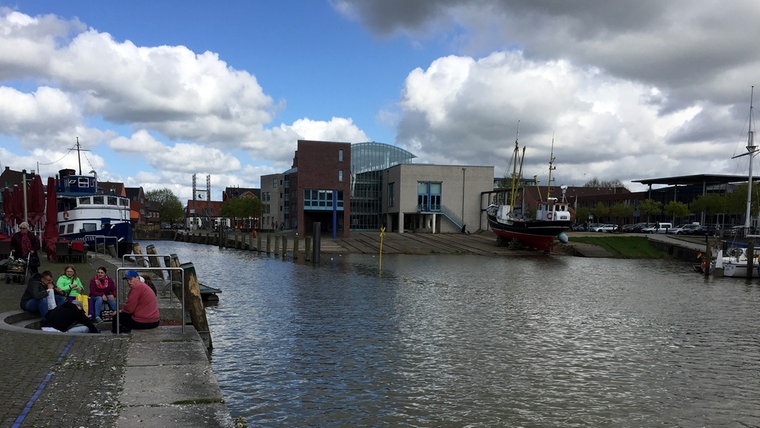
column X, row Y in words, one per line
column 24, row 245
column 140, row 312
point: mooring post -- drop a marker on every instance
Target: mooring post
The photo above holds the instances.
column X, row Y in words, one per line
column 276, row 245
column 307, row 248
column 750, row 257
column 295, row 247
column 258, row 242
column 269, row 243
column 317, row 232
column 284, row 246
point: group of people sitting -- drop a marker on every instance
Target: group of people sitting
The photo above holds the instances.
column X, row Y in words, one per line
column 61, row 309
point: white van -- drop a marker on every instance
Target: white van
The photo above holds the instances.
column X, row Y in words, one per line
column 662, row 227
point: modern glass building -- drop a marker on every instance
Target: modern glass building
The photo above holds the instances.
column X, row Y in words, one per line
column 368, row 161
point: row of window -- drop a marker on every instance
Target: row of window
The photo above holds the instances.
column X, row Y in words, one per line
column 428, row 195
column 322, row 199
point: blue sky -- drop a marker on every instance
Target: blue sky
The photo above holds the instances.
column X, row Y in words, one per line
column 157, row 91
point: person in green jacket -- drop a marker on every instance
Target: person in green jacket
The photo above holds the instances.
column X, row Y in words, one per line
column 69, row 283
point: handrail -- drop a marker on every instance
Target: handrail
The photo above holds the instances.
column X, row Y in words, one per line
column 120, row 270
column 95, row 238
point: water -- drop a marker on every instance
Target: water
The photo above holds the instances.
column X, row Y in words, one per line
column 475, row 341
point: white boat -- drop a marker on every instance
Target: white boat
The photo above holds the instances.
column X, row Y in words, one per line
column 734, row 263
column 86, row 214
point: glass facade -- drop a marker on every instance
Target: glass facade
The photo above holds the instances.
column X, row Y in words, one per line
column 368, row 161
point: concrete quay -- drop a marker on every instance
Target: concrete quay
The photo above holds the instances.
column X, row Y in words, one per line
column 159, row 377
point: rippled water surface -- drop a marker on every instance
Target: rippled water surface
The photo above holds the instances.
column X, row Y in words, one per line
column 477, row 341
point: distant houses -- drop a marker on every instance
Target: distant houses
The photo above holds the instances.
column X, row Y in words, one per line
column 344, row 187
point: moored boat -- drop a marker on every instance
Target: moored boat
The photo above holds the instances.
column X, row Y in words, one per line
column 552, row 217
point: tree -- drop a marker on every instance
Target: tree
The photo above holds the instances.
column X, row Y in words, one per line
column 244, row 207
column 710, row 203
column 167, row 204
column 649, row 207
column 604, row 184
column 676, row 209
column 600, row 210
column 621, row 211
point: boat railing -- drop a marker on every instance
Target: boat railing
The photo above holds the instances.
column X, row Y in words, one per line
column 94, row 240
column 122, row 270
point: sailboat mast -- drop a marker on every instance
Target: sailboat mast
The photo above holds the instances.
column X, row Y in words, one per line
column 751, row 150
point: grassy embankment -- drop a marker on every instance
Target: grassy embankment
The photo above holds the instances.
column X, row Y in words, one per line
column 628, row 247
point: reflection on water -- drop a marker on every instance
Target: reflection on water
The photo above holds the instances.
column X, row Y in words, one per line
column 475, row 341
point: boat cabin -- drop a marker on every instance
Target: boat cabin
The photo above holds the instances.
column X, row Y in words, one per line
column 553, row 210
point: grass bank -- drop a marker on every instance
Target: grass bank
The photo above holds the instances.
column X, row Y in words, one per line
column 629, row 247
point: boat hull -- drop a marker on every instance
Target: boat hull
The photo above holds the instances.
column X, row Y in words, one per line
column 534, row 234
column 738, row 270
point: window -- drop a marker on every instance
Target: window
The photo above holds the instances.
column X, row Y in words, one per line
column 340, row 155
column 98, row 200
column 340, row 175
column 428, row 196
column 391, row 195
column 317, row 199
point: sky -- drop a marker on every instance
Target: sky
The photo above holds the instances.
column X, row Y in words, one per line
column 156, row 91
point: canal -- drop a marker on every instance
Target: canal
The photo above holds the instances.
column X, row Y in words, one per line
column 444, row 340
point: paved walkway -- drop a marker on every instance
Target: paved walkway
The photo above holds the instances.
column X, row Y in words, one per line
column 158, row 377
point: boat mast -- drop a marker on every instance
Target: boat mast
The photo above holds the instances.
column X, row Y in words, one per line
column 515, row 153
column 79, row 158
column 751, row 150
column 551, row 168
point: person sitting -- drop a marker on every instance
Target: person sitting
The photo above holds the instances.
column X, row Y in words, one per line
column 140, row 312
column 69, row 284
column 25, row 245
column 69, row 317
column 36, row 296
column 102, row 288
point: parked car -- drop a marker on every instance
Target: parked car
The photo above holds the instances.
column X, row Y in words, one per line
column 639, row 227
column 688, row 229
column 604, row 227
column 707, row 230
column 658, row 228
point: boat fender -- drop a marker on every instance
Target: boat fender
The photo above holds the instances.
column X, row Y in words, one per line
column 548, row 216
column 563, row 237
column 65, row 215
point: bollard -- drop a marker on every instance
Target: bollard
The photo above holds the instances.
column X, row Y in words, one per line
column 139, row 260
column 152, row 261
column 317, row 232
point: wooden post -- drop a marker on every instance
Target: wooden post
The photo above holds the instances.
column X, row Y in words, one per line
column 258, row 242
column 284, row 246
column 139, row 260
column 317, row 233
column 276, row 245
column 307, row 248
column 152, row 261
column 295, row 247
column 750, row 258
column 194, row 304
column 269, row 243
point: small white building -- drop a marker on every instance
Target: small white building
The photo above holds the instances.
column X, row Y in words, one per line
column 435, row 198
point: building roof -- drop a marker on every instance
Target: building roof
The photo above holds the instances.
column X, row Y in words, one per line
column 372, row 156
column 706, row 179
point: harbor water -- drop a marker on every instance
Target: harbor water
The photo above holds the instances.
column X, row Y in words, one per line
column 444, row 340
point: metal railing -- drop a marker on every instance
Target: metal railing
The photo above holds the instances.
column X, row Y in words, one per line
column 121, row 270
column 105, row 238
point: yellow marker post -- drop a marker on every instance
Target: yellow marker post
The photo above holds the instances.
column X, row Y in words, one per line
column 382, row 235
